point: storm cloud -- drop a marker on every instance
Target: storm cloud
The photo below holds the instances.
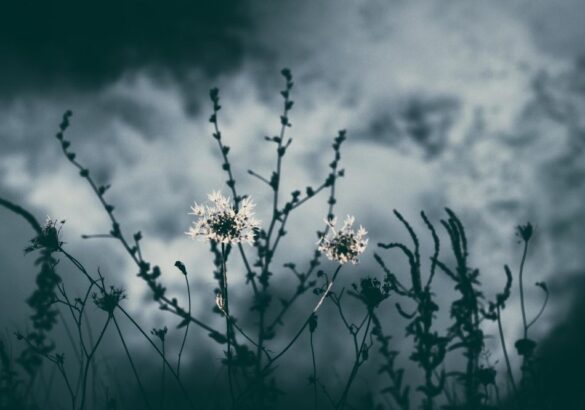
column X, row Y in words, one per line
column 470, row 105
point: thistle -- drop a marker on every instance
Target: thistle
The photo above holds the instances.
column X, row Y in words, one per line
column 346, row 244
column 222, row 223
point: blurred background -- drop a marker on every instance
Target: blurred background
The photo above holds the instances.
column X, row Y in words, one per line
column 476, row 106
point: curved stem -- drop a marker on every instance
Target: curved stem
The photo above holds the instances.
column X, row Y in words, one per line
column 329, row 286
column 171, row 370
column 227, row 324
column 358, row 362
column 140, row 386
column 186, row 328
column 522, row 289
column 298, row 334
column 314, row 373
column 540, row 312
column 162, row 399
column 22, row 212
column 503, row 342
column 68, row 384
column 89, row 361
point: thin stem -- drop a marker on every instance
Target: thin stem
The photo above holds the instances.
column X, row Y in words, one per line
column 88, row 363
column 71, row 394
column 294, row 339
column 540, row 312
column 59, row 363
column 243, row 333
column 22, row 212
column 507, row 359
column 186, row 328
column 291, row 300
column 69, row 336
column 329, row 286
column 143, row 333
column 162, row 399
column 140, row 386
column 276, row 216
column 522, row 289
column 83, row 315
column 227, row 324
column 358, row 362
column 314, row 372
column 50, row 385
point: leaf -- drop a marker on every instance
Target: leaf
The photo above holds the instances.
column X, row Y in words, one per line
column 183, row 323
column 218, row 337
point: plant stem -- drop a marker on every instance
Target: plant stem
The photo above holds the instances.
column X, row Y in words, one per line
column 227, row 324
column 358, row 362
column 186, row 329
column 140, row 386
column 143, row 333
column 89, row 361
column 294, row 339
column 505, row 351
column 314, row 372
column 162, row 400
column 522, row 289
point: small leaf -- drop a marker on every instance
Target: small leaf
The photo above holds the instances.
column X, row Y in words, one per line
column 313, row 323
column 181, row 266
column 218, row 337
column 183, row 323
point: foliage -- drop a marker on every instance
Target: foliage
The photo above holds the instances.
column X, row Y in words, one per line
column 252, row 339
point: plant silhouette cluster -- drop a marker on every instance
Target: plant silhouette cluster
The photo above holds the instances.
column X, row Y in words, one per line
column 254, row 340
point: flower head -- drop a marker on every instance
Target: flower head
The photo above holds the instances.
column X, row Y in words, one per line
column 109, row 301
column 525, row 231
column 49, row 237
column 219, row 302
column 346, row 244
column 222, row 223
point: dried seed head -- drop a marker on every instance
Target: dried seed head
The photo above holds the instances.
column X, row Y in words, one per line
column 222, row 223
column 346, row 244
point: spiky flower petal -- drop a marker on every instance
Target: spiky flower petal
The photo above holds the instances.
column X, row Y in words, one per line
column 346, row 244
column 220, row 222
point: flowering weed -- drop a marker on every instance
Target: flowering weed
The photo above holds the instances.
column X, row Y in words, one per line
column 256, row 341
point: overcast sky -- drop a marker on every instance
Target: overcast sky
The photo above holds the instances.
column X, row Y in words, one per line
column 498, row 85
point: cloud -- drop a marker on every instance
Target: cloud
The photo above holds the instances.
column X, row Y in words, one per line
column 485, row 141
column 86, row 46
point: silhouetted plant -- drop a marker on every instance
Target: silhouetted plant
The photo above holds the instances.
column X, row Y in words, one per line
column 430, row 347
column 399, row 393
column 11, row 386
column 465, row 333
column 252, row 349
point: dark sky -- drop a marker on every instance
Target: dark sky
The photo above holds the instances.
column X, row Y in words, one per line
column 88, row 44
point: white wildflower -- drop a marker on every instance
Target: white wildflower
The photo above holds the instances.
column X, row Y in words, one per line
column 219, row 302
column 346, row 244
column 222, row 223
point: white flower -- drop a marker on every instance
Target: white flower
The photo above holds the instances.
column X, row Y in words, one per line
column 219, row 301
column 222, row 223
column 346, row 244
